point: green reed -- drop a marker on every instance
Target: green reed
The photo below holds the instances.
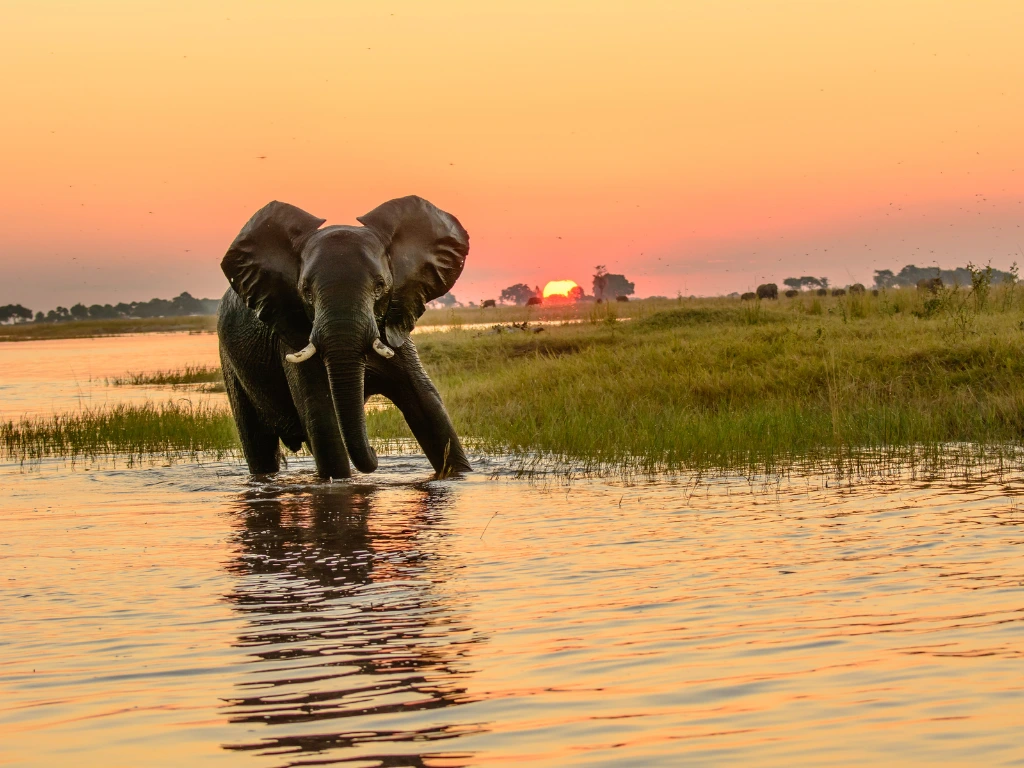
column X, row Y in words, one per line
column 187, row 375
column 172, row 430
column 719, row 383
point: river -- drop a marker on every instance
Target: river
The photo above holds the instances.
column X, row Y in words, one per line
column 187, row 614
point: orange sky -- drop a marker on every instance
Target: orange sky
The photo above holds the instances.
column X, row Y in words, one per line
column 700, row 147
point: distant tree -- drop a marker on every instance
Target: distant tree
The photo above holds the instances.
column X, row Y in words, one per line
column 186, row 304
column 806, row 281
column 576, row 293
column 441, row 302
column 80, row 312
column 40, row 317
column 14, row 312
column 884, row 278
column 103, row 312
column 616, row 286
column 518, row 294
column 911, row 275
column 600, row 281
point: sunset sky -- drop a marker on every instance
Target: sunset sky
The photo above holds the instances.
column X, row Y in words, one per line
column 698, row 147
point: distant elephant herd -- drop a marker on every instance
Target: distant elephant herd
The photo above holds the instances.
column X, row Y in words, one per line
column 771, row 291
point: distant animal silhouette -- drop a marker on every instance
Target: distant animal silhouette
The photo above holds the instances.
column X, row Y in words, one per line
column 488, row 303
column 857, row 288
column 768, row 291
column 748, row 296
column 838, row 291
column 533, row 301
column 622, row 298
column 792, row 292
column 822, row 292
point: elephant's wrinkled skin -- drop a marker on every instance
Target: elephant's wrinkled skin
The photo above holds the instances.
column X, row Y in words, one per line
column 317, row 320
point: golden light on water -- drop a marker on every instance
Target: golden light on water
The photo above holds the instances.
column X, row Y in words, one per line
column 558, row 288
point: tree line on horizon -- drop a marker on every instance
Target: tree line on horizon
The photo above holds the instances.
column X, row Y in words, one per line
column 908, row 277
column 180, row 306
column 606, row 286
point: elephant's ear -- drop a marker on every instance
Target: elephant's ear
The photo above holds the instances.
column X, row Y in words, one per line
column 427, row 248
column 262, row 266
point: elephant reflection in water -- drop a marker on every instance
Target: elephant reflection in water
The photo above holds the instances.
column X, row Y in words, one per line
column 345, row 625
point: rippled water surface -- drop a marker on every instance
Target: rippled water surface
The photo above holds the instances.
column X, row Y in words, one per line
column 187, row 614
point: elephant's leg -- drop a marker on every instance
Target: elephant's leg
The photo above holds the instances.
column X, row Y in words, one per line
column 407, row 385
column 312, row 395
column 260, row 444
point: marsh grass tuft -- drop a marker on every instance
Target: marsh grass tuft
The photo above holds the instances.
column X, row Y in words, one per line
column 185, row 376
column 173, row 430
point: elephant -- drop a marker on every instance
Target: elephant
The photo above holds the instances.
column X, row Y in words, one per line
column 822, row 292
column 488, row 303
column 857, row 288
column 748, row 296
column 768, row 291
column 315, row 321
column 533, row 301
column 792, row 293
column 838, row 291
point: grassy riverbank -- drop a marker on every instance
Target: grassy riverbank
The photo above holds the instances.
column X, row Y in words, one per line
column 81, row 329
column 456, row 317
column 720, row 383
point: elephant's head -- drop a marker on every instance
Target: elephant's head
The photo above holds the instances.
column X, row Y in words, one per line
column 343, row 291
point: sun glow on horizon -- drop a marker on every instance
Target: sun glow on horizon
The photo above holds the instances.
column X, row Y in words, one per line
column 558, row 288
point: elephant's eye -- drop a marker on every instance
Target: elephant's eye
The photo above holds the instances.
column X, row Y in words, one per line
column 378, row 287
column 307, row 291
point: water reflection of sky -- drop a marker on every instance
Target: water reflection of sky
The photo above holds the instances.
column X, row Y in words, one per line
column 167, row 615
column 59, row 375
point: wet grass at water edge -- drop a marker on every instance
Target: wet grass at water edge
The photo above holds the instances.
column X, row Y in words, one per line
column 173, row 430
column 189, row 375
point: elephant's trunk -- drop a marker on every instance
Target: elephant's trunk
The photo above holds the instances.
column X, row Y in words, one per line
column 346, row 371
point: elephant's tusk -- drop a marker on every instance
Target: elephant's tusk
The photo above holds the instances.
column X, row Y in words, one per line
column 302, row 355
column 382, row 350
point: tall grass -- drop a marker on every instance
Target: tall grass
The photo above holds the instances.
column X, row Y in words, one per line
column 185, row 376
column 720, row 383
column 172, row 430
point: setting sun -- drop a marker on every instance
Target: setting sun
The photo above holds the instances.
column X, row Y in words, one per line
column 559, row 288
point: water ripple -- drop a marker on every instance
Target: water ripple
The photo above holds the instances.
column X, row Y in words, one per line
column 180, row 614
